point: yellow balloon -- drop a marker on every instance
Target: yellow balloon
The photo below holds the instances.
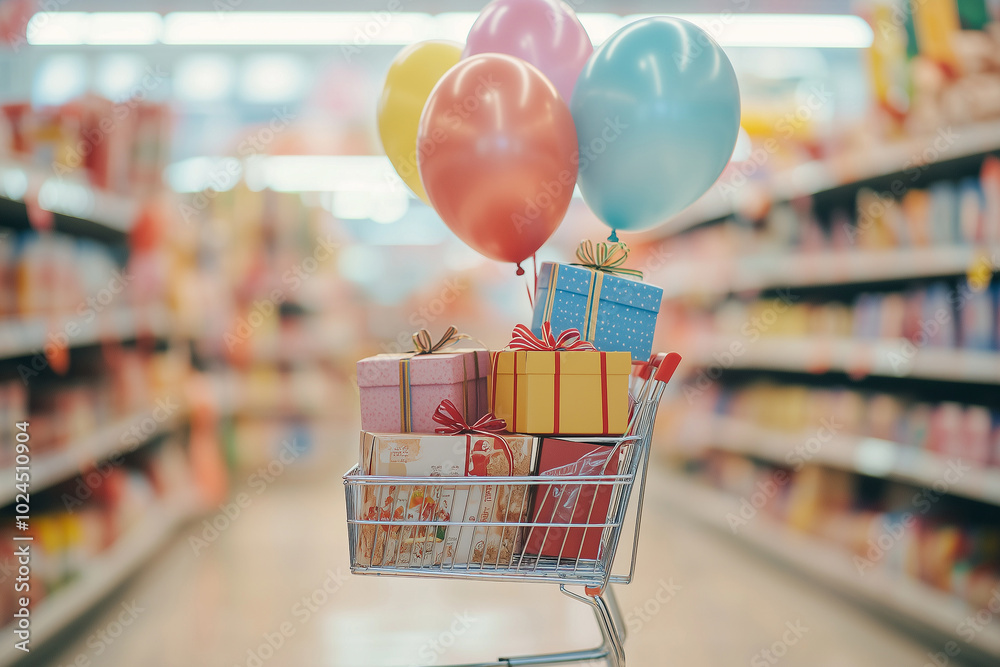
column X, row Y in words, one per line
column 412, row 76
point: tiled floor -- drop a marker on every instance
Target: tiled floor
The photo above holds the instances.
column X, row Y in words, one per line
column 274, row 591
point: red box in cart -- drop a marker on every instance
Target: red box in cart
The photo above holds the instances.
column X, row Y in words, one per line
column 569, row 502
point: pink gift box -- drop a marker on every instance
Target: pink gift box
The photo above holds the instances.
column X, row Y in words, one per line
column 399, row 392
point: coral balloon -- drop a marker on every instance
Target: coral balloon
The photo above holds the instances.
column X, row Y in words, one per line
column 497, row 155
column 657, row 112
column 546, row 33
column 411, row 77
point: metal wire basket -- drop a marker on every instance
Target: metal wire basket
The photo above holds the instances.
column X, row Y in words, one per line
column 410, row 526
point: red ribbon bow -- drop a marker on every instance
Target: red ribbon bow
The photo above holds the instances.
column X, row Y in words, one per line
column 569, row 340
column 453, row 423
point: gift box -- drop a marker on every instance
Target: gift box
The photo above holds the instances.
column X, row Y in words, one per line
column 614, row 313
column 569, row 502
column 399, row 392
column 425, row 455
column 561, row 392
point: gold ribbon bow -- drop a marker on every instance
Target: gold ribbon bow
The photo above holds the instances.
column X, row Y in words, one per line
column 422, row 340
column 606, row 257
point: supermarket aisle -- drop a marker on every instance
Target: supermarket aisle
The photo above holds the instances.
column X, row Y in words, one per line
column 278, row 576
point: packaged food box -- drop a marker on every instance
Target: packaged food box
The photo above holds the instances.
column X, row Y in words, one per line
column 425, row 455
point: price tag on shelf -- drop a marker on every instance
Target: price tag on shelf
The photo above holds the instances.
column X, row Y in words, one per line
column 980, row 270
column 860, row 360
column 56, row 346
column 991, row 486
column 11, row 335
column 839, row 266
column 820, row 356
column 875, row 457
column 40, row 219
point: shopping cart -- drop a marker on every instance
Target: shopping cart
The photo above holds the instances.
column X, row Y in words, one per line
column 382, row 542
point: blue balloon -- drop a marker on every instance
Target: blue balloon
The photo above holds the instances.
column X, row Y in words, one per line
column 657, row 112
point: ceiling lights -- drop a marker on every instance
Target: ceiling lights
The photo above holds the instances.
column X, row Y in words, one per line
column 361, row 29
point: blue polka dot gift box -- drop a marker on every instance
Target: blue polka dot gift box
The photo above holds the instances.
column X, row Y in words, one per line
column 612, row 311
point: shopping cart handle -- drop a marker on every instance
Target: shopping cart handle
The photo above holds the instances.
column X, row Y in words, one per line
column 651, row 365
column 667, row 367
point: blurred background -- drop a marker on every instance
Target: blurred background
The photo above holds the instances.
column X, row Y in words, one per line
column 200, row 236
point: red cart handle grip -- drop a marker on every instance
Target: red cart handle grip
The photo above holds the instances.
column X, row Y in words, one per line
column 667, row 367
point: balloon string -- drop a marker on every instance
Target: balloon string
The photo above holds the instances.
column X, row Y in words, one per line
column 614, row 236
column 534, row 267
column 527, row 288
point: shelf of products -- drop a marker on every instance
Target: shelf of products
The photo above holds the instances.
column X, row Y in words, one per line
column 21, row 337
column 116, row 398
column 96, row 532
column 891, row 358
column 849, row 171
column 92, row 258
column 864, row 455
column 116, row 439
column 73, row 205
column 902, row 596
column 928, row 228
column 105, row 573
column 73, row 140
column 264, row 390
column 770, row 271
column 882, row 272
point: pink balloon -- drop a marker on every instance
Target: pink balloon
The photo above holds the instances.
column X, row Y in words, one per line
column 546, row 33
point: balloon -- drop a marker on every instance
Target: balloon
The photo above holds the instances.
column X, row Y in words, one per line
column 497, row 149
column 546, row 33
column 657, row 112
column 411, row 77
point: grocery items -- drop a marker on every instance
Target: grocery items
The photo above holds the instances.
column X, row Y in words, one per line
column 91, row 515
column 116, row 147
column 949, row 429
column 53, row 274
column 960, row 212
column 885, row 527
column 938, row 314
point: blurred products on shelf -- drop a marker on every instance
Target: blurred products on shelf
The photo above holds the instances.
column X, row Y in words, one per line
column 947, row 543
column 963, row 212
column 82, row 521
column 115, row 147
column 53, row 274
column 934, row 62
column 938, row 315
column 970, row 433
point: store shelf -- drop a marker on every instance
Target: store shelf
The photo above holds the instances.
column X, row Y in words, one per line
column 234, row 399
column 849, row 171
column 885, row 358
column 50, row 469
column 768, row 271
column 77, row 207
column 866, row 456
column 901, row 596
column 105, row 574
column 21, row 337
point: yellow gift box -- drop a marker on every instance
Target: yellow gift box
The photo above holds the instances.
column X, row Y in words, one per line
column 561, row 393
